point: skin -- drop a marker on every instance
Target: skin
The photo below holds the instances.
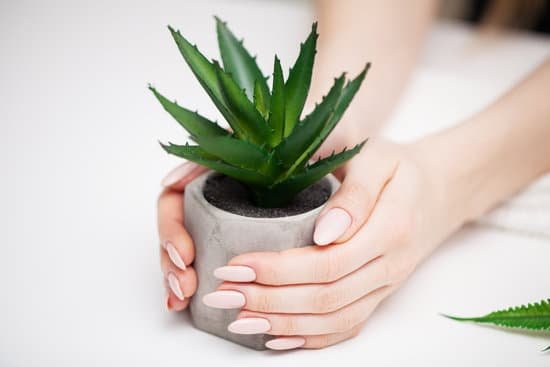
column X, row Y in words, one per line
column 403, row 207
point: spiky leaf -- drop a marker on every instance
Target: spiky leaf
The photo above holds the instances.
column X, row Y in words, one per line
column 259, row 100
column 241, row 65
column 293, row 149
column 191, row 121
column 299, row 80
column 200, row 156
column 238, row 153
column 347, row 95
column 533, row 316
column 277, row 112
column 252, row 126
column 205, row 72
column 318, row 170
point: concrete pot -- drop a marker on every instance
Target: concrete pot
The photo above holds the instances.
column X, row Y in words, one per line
column 219, row 235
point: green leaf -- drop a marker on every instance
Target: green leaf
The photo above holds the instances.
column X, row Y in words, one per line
column 277, row 112
column 261, row 105
column 194, row 123
column 318, row 170
column 299, row 80
column 238, row 153
column 200, row 66
column 546, row 349
column 347, row 95
column 294, row 149
column 533, row 316
column 251, row 125
column 241, row 65
column 200, row 156
column 205, row 72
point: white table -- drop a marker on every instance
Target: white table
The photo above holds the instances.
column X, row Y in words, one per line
column 80, row 164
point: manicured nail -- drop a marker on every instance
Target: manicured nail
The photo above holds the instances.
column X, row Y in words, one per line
column 331, row 226
column 224, row 299
column 175, row 256
column 249, row 325
column 285, row 343
column 175, row 285
column 235, row 273
column 178, row 173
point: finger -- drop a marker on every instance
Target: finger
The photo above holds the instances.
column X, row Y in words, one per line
column 173, row 303
column 173, row 237
column 182, row 284
column 304, row 265
column 316, row 298
column 250, row 322
column 323, row 341
column 349, row 208
column 180, row 176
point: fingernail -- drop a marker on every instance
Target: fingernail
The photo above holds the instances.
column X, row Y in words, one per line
column 285, row 343
column 235, row 273
column 175, row 256
column 224, row 299
column 249, row 325
column 331, row 226
column 178, row 173
column 175, row 286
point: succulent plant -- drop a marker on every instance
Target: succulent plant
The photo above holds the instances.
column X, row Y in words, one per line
column 269, row 148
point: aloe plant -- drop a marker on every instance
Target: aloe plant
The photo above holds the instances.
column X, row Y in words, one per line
column 269, row 148
column 533, row 316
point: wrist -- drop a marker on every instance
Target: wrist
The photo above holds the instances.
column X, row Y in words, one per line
column 450, row 178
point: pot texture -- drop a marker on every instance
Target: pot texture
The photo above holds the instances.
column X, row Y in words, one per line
column 219, row 235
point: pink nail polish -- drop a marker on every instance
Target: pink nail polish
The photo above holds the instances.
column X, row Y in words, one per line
column 331, row 226
column 235, row 273
column 174, row 256
column 249, row 325
column 291, row 342
column 224, row 299
column 178, row 173
column 174, row 284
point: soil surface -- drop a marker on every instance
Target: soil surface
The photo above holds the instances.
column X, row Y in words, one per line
column 232, row 196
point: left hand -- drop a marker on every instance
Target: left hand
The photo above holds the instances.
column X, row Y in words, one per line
column 387, row 216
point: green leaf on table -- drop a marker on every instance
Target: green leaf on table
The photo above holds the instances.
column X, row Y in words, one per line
column 533, row 316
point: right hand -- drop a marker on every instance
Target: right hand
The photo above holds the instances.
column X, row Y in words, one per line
column 176, row 246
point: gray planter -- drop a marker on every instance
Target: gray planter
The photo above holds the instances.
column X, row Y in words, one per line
column 220, row 235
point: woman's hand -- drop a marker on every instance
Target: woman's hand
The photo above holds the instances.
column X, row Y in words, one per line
column 176, row 246
column 387, row 216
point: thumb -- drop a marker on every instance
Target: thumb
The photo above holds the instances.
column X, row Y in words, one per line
column 180, row 176
column 350, row 207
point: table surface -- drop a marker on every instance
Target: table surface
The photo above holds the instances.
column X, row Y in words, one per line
column 79, row 271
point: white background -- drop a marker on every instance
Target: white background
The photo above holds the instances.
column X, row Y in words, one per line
column 79, row 275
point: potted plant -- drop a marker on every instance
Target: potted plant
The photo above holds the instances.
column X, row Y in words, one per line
column 265, row 193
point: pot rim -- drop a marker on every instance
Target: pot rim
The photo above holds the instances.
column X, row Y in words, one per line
column 196, row 186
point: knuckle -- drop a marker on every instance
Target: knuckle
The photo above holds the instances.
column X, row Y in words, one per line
column 258, row 300
column 344, row 321
column 326, row 299
column 320, row 341
column 328, row 267
column 402, row 228
column 289, row 326
column 354, row 190
column 397, row 269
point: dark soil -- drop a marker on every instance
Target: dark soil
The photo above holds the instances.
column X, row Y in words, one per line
column 232, row 196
